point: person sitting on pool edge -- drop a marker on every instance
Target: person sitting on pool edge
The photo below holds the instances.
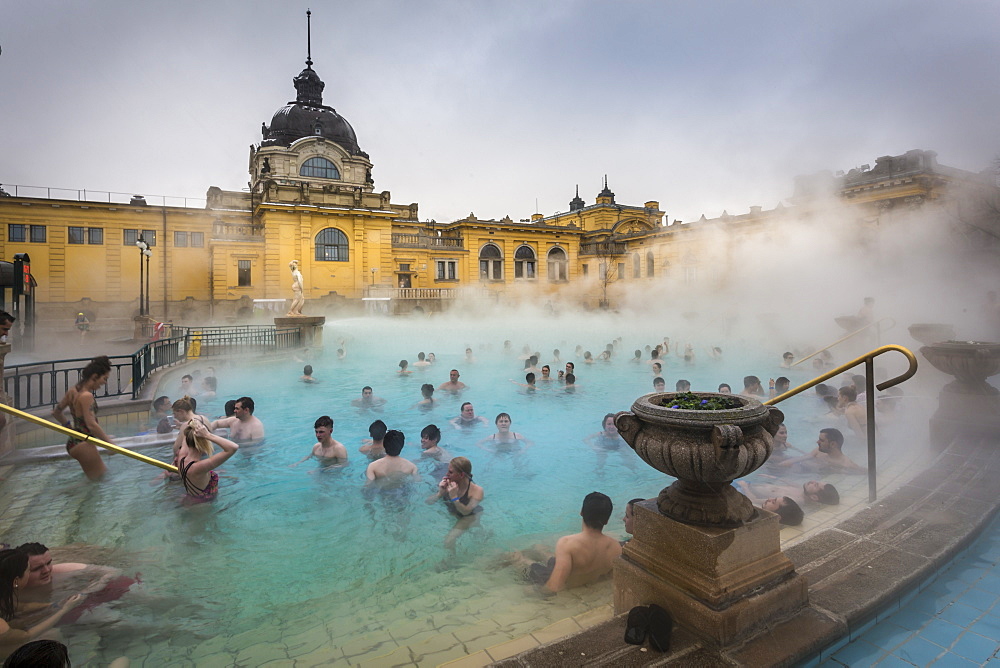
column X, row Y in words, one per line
column 581, row 558
column 392, row 467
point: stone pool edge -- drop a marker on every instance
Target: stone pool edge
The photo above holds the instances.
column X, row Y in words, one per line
column 859, row 571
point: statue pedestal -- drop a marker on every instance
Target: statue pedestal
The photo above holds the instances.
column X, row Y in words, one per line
column 723, row 585
column 310, row 327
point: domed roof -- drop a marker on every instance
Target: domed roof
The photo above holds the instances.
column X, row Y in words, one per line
column 307, row 116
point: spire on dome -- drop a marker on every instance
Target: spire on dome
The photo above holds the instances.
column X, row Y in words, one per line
column 576, row 203
column 308, row 86
column 606, row 193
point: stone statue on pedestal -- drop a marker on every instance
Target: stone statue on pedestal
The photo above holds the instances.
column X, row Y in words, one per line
column 297, row 300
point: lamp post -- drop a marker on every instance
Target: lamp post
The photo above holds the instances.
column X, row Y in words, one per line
column 144, row 252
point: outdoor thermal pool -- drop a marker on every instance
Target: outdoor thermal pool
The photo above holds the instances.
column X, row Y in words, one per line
column 290, row 562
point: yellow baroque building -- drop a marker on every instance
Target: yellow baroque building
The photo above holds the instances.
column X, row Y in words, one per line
column 312, row 199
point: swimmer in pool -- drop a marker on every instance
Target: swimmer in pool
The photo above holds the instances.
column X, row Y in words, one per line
column 403, row 371
column 608, row 438
column 659, row 385
column 392, row 467
column 428, row 402
column 243, row 426
column 307, row 375
column 528, row 384
column 504, row 440
column 330, row 453
column 454, row 385
column 815, row 491
column 368, row 400
column 430, row 439
column 780, row 447
column 421, row 360
column 374, row 446
column 546, row 375
column 462, row 497
column 467, row 418
column 724, row 388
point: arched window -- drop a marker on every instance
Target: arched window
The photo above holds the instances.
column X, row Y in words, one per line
column 557, row 264
column 490, row 263
column 524, row 262
column 636, row 266
column 650, row 265
column 319, row 168
column 331, row 246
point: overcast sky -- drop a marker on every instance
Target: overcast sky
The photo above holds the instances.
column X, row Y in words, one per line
column 487, row 107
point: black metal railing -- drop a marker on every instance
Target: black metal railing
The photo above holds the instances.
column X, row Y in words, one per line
column 85, row 195
column 43, row 384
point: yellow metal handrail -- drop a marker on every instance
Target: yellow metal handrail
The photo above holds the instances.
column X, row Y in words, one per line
column 870, row 387
column 86, row 437
column 844, row 338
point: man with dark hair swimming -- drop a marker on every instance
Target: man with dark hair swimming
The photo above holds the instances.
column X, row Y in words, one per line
column 392, row 466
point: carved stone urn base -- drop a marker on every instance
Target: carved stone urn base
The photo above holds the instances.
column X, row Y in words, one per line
column 705, row 503
column 721, row 584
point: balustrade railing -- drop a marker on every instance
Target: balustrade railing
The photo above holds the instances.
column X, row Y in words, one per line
column 43, row 384
column 603, row 248
column 403, row 240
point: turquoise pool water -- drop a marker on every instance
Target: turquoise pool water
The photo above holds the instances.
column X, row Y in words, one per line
column 288, row 548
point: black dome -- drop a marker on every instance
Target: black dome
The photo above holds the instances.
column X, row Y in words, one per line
column 307, row 116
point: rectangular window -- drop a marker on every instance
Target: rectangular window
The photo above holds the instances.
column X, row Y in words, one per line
column 95, row 236
column 76, row 235
column 586, row 269
column 447, row 270
column 621, row 271
column 129, row 237
column 150, row 237
column 243, row 267
column 197, row 239
column 180, row 239
column 404, row 267
column 690, row 275
column 17, row 233
column 38, row 234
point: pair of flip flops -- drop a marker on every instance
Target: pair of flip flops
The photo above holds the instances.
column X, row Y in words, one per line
column 650, row 621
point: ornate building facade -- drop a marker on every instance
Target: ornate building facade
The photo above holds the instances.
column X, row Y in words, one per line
column 312, row 198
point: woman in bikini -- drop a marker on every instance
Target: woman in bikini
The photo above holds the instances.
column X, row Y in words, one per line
column 83, row 410
column 184, row 411
column 195, row 460
column 14, row 574
column 462, row 496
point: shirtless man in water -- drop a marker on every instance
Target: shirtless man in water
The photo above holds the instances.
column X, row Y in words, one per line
column 392, row 466
column 454, row 385
column 243, row 426
column 331, row 453
column 583, row 557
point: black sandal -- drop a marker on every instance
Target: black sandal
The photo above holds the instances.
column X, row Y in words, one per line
column 638, row 625
column 660, row 625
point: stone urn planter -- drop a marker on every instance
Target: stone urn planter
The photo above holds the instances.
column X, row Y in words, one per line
column 931, row 332
column 968, row 405
column 705, row 450
column 970, row 362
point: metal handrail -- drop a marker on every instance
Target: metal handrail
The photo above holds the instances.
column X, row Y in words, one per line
column 870, row 387
column 854, row 333
column 87, row 437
